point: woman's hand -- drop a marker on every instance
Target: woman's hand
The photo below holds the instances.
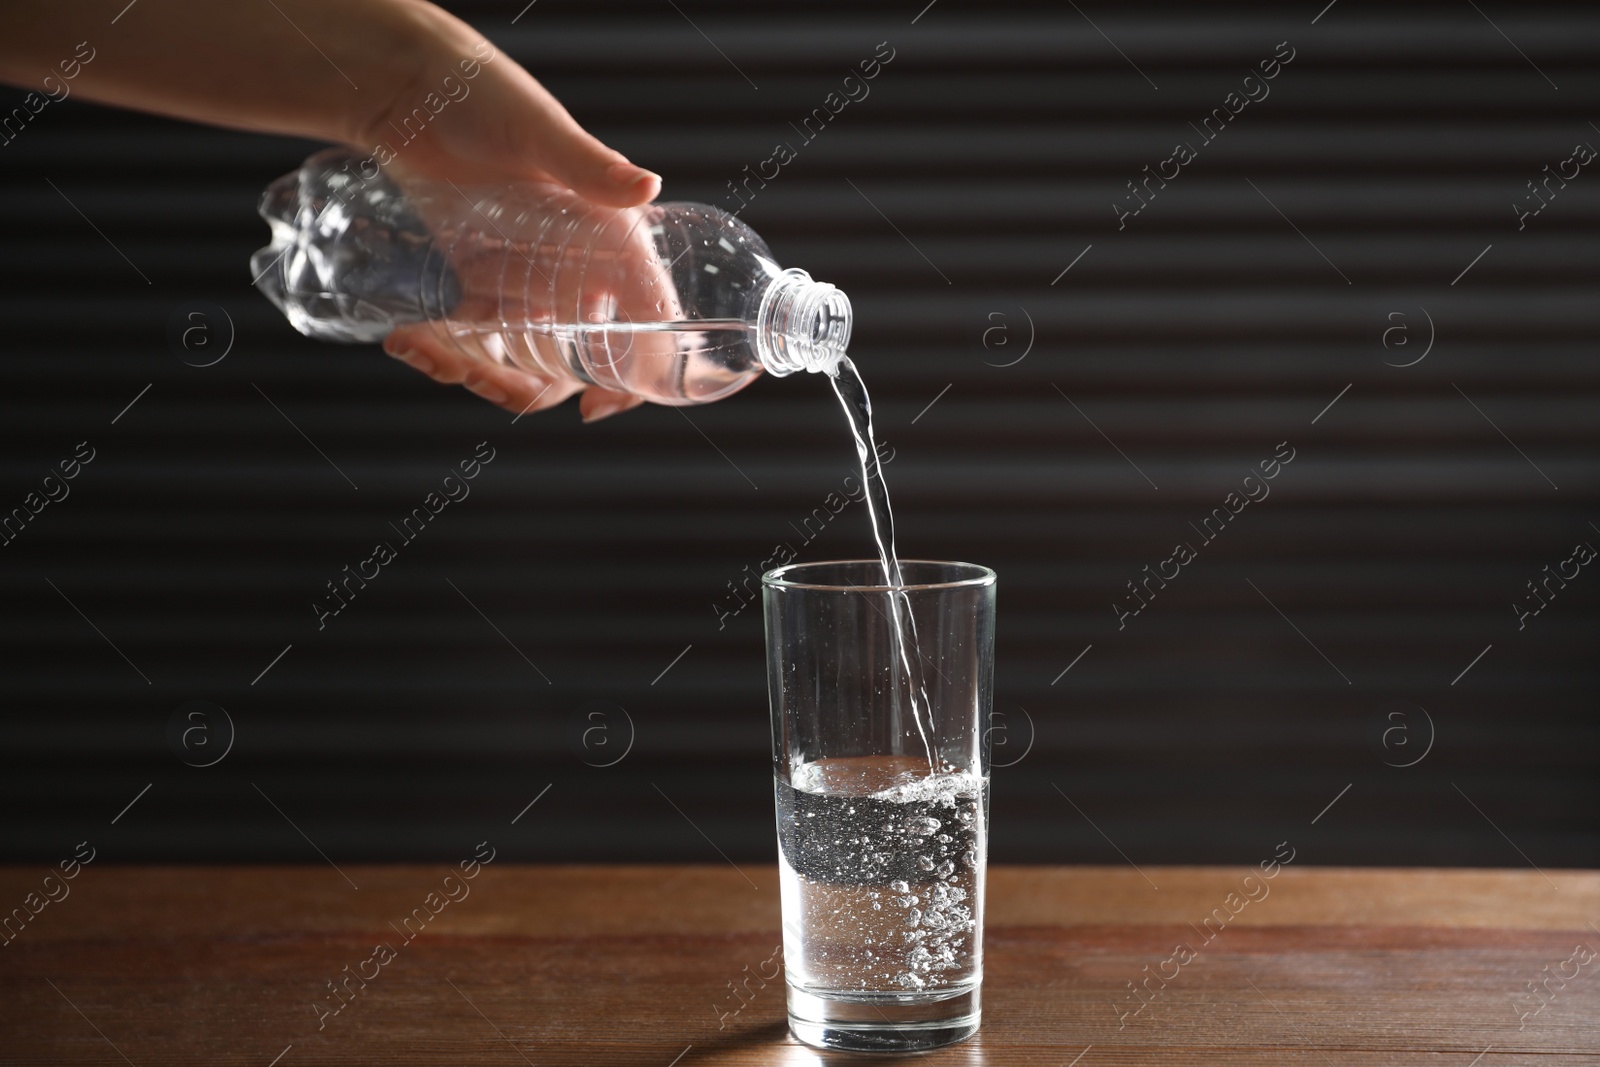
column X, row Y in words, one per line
column 508, row 128
column 340, row 71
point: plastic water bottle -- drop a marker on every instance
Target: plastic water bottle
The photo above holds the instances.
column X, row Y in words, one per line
column 679, row 303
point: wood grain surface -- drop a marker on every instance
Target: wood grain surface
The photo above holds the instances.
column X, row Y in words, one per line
column 633, row 965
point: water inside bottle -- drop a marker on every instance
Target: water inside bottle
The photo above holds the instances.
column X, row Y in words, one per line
column 669, row 362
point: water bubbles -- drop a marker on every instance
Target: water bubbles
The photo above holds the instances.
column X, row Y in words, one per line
column 892, row 878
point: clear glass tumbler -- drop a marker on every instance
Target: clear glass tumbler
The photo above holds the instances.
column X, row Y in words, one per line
column 881, row 768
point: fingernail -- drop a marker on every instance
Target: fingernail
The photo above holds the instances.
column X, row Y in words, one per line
column 414, row 359
column 488, row 391
column 625, row 174
column 603, row 410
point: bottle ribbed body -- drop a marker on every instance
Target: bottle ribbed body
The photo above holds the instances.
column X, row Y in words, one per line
column 679, row 303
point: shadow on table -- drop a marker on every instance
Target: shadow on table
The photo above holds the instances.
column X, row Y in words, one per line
column 778, row 1049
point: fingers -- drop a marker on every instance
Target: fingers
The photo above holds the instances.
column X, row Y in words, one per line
column 598, row 403
column 516, row 391
column 418, row 347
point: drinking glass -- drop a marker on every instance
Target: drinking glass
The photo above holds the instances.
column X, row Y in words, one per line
column 881, row 773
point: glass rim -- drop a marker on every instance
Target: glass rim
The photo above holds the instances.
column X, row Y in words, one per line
column 777, row 578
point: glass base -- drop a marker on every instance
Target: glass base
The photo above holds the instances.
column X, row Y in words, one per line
column 884, row 1022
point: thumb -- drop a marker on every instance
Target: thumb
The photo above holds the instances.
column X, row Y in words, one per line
column 507, row 127
column 503, row 127
column 546, row 136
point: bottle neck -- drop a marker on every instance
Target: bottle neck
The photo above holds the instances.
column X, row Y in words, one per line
column 802, row 325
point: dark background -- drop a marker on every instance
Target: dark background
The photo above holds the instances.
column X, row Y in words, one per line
column 991, row 148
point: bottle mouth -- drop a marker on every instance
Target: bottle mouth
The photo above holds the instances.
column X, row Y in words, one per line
column 802, row 325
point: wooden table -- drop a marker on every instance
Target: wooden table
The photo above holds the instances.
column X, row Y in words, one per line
column 633, row 965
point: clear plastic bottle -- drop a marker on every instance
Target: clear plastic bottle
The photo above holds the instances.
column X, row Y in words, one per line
column 679, row 303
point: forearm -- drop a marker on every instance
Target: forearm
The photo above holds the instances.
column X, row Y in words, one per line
column 401, row 80
column 316, row 68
